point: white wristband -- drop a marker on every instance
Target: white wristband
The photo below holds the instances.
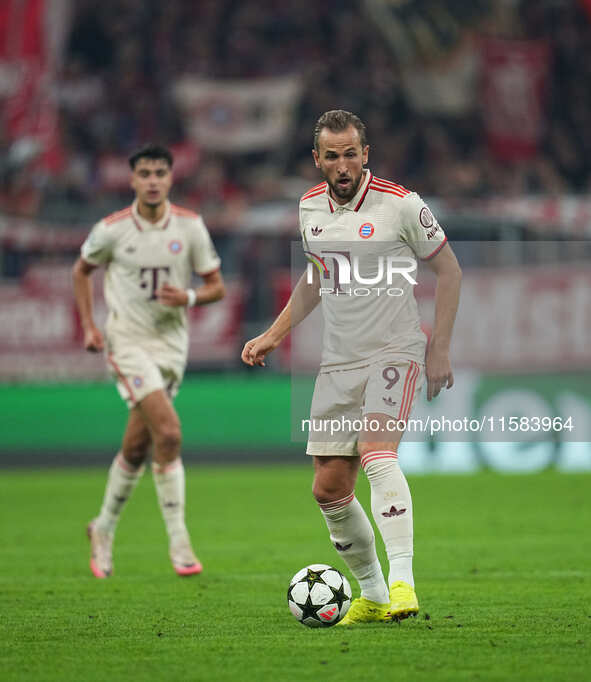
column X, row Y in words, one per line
column 191, row 297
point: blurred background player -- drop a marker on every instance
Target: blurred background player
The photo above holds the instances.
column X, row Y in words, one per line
column 150, row 251
column 374, row 355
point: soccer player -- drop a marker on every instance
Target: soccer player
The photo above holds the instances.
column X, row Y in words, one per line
column 356, row 226
column 150, row 251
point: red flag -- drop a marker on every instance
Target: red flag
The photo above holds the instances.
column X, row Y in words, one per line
column 29, row 111
column 514, row 81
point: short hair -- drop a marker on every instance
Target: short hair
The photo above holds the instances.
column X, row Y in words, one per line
column 151, row 151
column 338, row 120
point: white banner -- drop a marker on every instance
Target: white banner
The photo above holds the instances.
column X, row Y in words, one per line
column 238, row 116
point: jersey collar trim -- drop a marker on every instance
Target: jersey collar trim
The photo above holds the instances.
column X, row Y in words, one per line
column 143, row 225
column 363, row 190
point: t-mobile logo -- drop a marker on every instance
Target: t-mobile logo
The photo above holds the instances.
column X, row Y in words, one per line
column 149, row 279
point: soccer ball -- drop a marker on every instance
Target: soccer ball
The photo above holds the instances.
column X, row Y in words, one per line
column 319, row 596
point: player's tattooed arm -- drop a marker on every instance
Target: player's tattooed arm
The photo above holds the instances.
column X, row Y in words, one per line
column 302, row 302
column 81, row 276
column 447, row 296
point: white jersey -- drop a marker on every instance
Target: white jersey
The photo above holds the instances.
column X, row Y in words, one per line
column 139, row 257
column 366, row 253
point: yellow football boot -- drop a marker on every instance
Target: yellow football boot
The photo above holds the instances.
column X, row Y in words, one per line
column 403, row 601
column 363, row 610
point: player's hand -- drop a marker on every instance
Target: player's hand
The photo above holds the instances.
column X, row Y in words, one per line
column 171, row 296
column 93, row 340
column 256, row 349
column 438, row 370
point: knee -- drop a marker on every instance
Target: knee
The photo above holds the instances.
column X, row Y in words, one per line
column 325, row 491
column 168, row 437
column 135, row 453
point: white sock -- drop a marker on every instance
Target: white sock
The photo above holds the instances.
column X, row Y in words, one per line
column 352, row 535
column 391, row 505
column 169, row 480
column 121, row 481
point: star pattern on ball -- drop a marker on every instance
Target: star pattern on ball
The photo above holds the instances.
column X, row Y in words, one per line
column 339, row 594
column 318, row 596
column 308, row 609
column 314, row 577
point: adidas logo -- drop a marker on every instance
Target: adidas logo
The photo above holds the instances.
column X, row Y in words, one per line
column 342, row 548
column 389, row 401
column 316, row 230
column 327, row 615
column 393, row 512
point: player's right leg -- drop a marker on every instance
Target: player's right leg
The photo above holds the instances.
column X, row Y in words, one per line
column 125, row 472
column 352, row 535
column 339, row 395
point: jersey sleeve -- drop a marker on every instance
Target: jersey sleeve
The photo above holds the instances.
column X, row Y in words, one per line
column 204, row 256
column 97, row 249
column 420, row 229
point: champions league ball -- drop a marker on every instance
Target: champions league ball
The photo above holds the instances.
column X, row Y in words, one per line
column 319, row 596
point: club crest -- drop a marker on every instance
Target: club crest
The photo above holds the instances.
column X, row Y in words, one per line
column 175, row 246
column 366, row 230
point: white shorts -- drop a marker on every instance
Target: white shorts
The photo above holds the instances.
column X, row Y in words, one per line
column 343, row 398
column 138, row 374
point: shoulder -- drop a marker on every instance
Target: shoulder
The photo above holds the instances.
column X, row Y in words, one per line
column 117, row 217
column 184, row 213
column 390, row 190
column 187, row 220
column 315, row 191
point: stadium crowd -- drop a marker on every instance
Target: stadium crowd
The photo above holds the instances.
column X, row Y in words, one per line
column 113, row 91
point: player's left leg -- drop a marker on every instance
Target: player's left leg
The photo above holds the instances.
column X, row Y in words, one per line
column 169, row 478
column 124, row 474
column 391, row 505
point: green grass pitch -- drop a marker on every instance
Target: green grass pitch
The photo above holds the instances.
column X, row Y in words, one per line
column 502, row 566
